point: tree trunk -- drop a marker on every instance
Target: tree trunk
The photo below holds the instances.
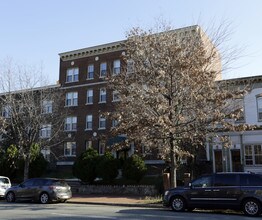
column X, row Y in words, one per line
column 173, row 164
column 26, row 167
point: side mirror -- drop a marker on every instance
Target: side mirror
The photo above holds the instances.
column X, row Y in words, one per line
column 190, row 185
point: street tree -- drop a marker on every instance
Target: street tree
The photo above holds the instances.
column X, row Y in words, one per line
column 171, row 90
column 29, row 111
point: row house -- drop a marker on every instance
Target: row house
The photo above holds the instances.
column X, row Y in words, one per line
column 244, row 152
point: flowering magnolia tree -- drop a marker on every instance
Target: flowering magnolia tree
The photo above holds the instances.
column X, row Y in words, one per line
column 169, row 90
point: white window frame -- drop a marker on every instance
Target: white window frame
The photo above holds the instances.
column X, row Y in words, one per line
column 89, row 144
column 114, row 123
column 46, row 131
column 103, row 69
column 89, row 97
column 102, row 95
column 116, row 97
column 250, row 154
column 89, row 122
column 130, row 66
column 70, row 149
column 116, row 67
column 71, row 99
column 72, row 75
column 6, row 111
column 102, row 123
column 90, row 71
column 101, row 147
column 71, row 123
column 47, row 107
column 259, row 108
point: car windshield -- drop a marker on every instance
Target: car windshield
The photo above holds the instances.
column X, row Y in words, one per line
column 4, row 180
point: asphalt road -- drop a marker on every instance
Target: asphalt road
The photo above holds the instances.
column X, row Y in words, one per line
column 60, row 211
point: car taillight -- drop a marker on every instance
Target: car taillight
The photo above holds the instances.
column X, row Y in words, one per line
column 52, row 187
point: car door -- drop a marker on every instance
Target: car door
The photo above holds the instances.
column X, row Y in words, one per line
column 226, row 190
column 200, row 192
column 25, row 190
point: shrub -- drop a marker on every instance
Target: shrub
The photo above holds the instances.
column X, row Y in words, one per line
column 38, row 166
column 107, row 167
column 134, row 168
column 84, row 167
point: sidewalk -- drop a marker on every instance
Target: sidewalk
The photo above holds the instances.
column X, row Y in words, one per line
column 131, row 201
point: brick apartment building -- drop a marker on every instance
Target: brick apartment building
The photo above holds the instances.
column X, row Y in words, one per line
column 82, row 77
column 82, row 80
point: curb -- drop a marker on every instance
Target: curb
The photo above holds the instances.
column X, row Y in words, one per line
column 118, row 204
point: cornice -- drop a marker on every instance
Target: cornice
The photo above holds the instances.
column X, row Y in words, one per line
column 92, row 51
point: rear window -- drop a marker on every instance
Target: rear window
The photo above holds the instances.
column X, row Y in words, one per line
column 59, row 183
column 4, row 180
column 251, row 180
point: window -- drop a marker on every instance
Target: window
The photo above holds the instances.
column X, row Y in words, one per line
column 89, row 96
column 259, row 108
column 71, row 99
column 102, row 147
column 202, row 182
column 114, row 123
column 103, row 69
column 250, row 180
column 130, row 67
column 90, row 71
column 116, row 96
column 116, row 69
column 102, row 96
column 248, row 155
column 47, row 107
column 88, row 144
column 239, row 106
column 45, row 131
column 258, row 154
column 70, row 149
column 226, row 180
column 6, row 111
column 89, row 122
column 72, row 75
column 253, row 154
column 102, row 122
column 70, row 124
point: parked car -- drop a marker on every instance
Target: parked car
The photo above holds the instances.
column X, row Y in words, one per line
column 4, row 185
column 43, row 190
column 240, row 191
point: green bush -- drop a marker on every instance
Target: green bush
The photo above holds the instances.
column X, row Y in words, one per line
column 107, row 167
column 38, row 166
column 84, row 167
column 134, row 168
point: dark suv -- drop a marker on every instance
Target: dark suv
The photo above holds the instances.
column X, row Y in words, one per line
column 240, row 191
column 43, row 190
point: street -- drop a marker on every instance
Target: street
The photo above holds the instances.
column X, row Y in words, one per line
column 25, row 211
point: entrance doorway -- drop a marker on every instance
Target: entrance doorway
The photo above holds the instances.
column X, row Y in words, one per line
column 236, row 161
column 218, row 161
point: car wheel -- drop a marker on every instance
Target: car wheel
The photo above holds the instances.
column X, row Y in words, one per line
column 63, row 201
column 10, row 197
column 44, row 198
column 252, row 207
column 178, row 204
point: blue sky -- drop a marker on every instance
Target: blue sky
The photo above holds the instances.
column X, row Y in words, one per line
column 34, row 32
